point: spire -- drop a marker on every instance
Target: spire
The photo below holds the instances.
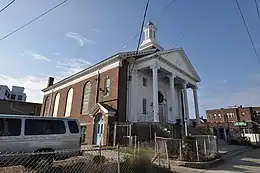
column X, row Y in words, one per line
column 149, row 41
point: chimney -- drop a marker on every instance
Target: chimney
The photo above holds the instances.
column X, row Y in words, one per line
column 50, row 81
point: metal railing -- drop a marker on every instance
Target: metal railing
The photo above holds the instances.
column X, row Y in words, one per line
column 199, row 148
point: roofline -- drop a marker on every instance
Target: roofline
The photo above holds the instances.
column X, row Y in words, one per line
column 117, row 56
column 16, row 101
column 81, row 72
column 36, row 117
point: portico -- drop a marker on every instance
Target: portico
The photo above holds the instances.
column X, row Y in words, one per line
column 159, row 84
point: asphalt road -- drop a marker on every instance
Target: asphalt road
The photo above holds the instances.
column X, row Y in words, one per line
column 248, row 162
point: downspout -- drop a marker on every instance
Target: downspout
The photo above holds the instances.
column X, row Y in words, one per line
column 97, row 87
column 49, row 111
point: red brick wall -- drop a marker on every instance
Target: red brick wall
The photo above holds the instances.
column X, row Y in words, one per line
column 245, row 114
column 111, row 99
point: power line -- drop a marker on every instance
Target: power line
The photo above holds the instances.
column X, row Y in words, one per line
column 168, row 6
column 28, row 23
column 248, row 32
column 142, row 26
column 257, row 9
column 10, row 3
column 164, row 10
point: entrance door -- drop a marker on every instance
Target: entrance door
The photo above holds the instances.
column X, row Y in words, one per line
column 99, row 128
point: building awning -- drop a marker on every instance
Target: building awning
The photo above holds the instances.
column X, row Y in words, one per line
column 104, row 108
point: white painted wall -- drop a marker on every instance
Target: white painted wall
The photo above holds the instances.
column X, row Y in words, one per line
column 137, row 92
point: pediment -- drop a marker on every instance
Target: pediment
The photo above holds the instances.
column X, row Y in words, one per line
column 181, row 61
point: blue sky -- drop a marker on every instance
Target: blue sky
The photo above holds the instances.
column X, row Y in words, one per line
column 82, row 32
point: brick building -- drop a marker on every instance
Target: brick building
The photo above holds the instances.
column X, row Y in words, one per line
column 232, row 115
column 19, row 108
column 148, row 86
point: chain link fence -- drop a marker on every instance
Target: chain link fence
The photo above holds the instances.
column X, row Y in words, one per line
column 89, row 160
column 199, row 148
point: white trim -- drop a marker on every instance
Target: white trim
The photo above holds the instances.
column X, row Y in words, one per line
column 106, row 68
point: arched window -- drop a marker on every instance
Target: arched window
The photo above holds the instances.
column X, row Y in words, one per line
column 85, row 98
column 46, row 107
column 69, row 102
column 56, row 105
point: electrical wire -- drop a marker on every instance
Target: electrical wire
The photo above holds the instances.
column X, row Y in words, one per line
column 142, row 26
column 10, row 3
column 257, row 9
column 28, row 23
column 164, row 10
column 248, row 32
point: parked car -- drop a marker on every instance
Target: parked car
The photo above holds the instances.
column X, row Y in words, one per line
column 29, row 140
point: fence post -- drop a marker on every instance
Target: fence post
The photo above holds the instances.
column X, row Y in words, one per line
column 180, row 146
column 205, row 147
column 130, row 135
column 167, row 154
column 118, row 159
column 135, row 146
column 138, row 147
column 114, row 140
column 155, row 142
column 197, row 150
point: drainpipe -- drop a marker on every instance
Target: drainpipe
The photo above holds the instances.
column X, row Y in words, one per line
column 97, row 87
column 49, row 111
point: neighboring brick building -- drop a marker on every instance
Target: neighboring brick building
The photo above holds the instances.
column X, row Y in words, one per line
column 232, row 115
column 19, row 108
column 129, row 87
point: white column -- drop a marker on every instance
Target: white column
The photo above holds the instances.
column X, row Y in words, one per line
column 136, row 99
column 155, row 93
column 196, row 105
column 173, row 111
column 186, row 107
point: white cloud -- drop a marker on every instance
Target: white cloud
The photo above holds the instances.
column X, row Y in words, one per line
column 71, row 66
column 81, row 40
column 34, row 84
column 40, row 57
column 95, row 30
column 124, row 46
column 35, row 56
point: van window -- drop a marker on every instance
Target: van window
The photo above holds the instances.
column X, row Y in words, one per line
column 44, row 127
column 73, row 126
column 10, row 127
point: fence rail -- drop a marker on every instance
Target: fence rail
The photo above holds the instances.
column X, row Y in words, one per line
column 89, row 160
column 198, row 148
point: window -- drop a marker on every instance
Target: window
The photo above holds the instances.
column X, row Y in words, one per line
column 44, row 127
column 56, row 105
column 144, row 106
column 69, row 102
column 6, row 93
column 83, row 133
column 13, row 96
column 73, row 126
column 144, row 81
column 219, row 115
column 107, row 86
column 20, row 97
column 10, row 127
column 85, row 99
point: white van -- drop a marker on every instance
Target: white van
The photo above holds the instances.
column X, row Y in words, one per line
column 37, row 139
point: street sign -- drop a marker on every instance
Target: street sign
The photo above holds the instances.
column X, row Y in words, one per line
column 240, row 124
